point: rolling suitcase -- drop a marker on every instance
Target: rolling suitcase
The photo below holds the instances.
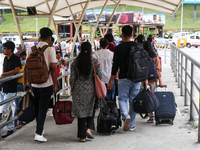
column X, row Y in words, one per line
column 167, row 109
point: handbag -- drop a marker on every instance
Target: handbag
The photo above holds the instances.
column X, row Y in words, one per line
column 99, row 85
column 62, row 112
column 26, row 108
column 145, row 102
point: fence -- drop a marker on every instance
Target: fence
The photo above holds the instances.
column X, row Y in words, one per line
column 185, row 70
column 21, row 94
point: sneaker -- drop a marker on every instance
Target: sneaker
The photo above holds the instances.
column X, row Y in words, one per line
column 150, row 120
column 132, row 128
column 40, row 138
column 8, row 133
column 126, row 124
column 6, row 114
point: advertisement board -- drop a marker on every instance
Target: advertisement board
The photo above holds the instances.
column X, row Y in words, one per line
column 129, row 17
column 191, row 2
column 154, row 18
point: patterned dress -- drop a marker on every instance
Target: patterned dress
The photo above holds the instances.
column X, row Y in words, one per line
column 83, row 97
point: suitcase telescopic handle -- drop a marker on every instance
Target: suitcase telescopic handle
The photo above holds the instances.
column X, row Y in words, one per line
column 159, row 86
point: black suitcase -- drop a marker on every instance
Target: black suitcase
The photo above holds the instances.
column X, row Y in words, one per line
column 166, row 112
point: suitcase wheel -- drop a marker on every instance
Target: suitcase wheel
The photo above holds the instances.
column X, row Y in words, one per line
column 156, row 123
column 172, row 122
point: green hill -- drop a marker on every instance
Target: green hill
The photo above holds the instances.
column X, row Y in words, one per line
column 29, row 24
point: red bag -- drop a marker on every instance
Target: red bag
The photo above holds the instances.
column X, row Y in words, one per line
column 99, row 85
column 62, row 112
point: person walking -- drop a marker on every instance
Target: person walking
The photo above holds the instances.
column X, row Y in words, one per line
column 42, row 92
column 152, row 83
column 83, row 87
column 105, row 58
column 110, row 38
column 11, row 66
column 127, row 89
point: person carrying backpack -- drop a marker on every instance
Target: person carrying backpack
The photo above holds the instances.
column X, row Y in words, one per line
column 153, row 82
column 127, row 89
column 42, row 76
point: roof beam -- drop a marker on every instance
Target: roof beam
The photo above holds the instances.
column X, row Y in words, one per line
column 78, row 26
column 34, row 16
column 112, row 16
column 104, row 6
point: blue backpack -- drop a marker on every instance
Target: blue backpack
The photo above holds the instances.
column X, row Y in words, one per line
column 152, row 70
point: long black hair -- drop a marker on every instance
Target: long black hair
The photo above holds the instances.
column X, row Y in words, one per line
column 84, row 60
column 148, row 47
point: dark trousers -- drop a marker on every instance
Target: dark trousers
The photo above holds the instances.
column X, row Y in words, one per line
column 84, row 124
column 42, row 97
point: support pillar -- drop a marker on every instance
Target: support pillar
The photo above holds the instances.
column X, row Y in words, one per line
column 195, row 13
column 156, row 31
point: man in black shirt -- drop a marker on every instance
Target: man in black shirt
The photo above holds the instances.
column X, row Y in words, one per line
column 127, row 89
column 11, row 66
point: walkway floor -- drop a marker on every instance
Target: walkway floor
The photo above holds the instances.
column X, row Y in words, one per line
column 146, row 136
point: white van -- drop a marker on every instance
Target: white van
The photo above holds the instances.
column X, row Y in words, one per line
column 193, row 40
column 15, row 39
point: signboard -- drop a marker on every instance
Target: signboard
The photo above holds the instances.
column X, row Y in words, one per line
column 191, row 2
column 154, row 18
column 129, row 17
column 91, row 16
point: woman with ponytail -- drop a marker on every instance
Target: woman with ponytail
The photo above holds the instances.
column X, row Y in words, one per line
column 83, row 87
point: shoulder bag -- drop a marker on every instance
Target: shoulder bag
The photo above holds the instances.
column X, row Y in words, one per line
column 99, row 85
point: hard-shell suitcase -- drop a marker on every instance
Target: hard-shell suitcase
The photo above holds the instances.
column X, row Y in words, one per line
column 167, row 109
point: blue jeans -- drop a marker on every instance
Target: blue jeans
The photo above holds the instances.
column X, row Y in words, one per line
column 4, row 96
column 127, row 89
column 111, row 93
column 17, row 101
column 63, row 53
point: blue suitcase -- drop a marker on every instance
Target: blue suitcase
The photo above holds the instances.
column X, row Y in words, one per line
column 166, row 111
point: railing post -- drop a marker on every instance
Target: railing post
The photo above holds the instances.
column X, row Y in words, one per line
column 192, row 93
column 186, row 82
column 178, row 75
column 175, row 71
column 181, row 75
column 199, row 122
column 165, row 53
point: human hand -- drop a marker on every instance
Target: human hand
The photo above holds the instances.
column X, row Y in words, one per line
column 26, row 87
column 55, row 89
column 109, row 86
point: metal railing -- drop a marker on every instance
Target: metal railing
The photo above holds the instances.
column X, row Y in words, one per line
column 21, row 94
column 184, row 68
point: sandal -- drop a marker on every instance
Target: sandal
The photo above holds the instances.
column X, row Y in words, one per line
column 82, row 140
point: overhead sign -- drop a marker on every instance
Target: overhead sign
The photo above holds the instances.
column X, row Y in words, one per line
column 154, row 18
column 191, row 2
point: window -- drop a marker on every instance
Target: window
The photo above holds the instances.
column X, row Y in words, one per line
column 192, row 37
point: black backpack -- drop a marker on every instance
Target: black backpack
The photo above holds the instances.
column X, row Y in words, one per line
column 152, row 70
column 109, row 118
column 26, row 108
column 138, row 64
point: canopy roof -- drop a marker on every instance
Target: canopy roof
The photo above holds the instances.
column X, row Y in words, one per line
column 62, row 9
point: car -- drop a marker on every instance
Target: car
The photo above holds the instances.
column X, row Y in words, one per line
column 193, row 40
